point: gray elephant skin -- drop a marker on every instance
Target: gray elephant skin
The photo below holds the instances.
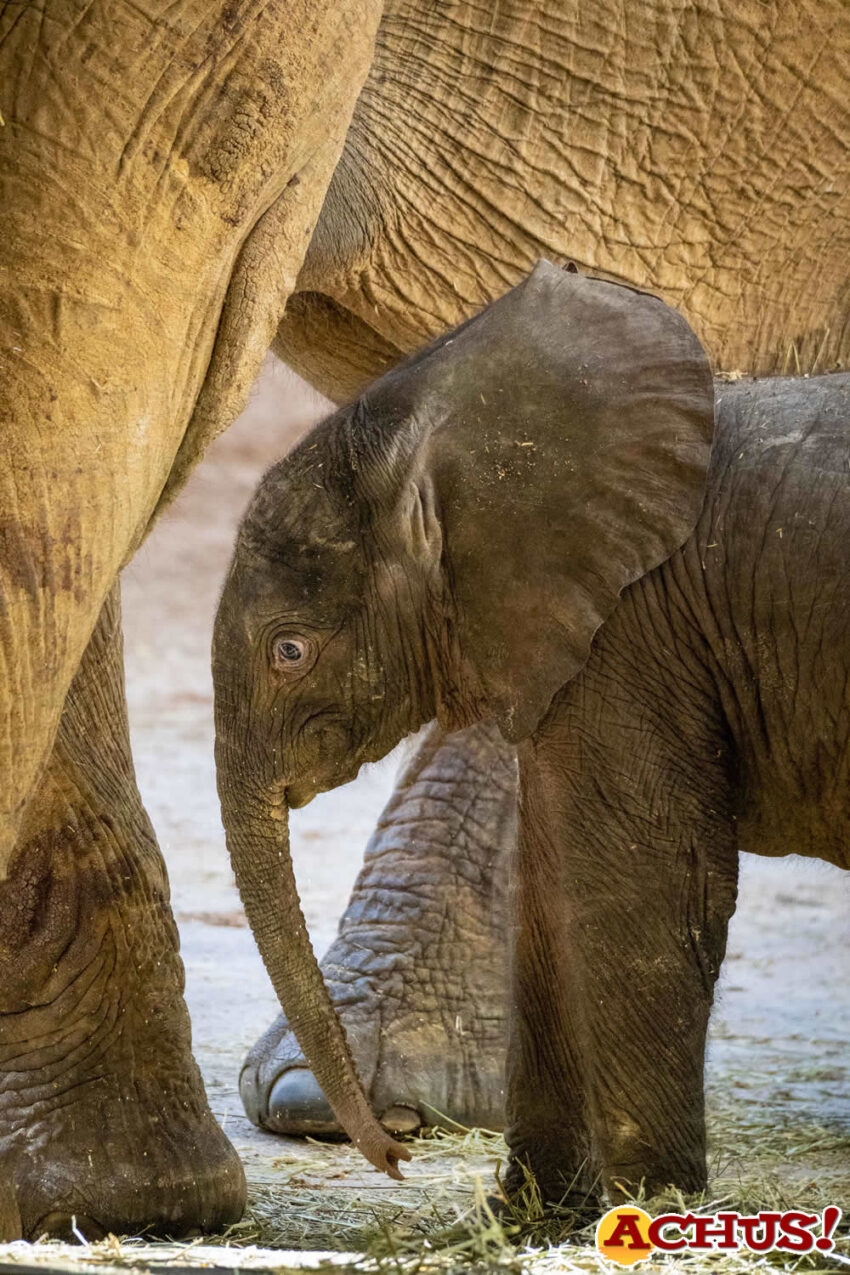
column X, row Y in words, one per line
column 526, row 523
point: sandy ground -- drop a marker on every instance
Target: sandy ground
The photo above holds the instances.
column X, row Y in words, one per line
column 779, row 1058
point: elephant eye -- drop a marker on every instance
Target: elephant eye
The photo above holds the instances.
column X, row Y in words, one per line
column 292, row 653
column 290, row 650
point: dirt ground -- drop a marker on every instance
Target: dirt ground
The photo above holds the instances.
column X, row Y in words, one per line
column 779, row 1057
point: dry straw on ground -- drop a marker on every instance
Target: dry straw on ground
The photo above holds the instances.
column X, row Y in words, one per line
column 317, row 1209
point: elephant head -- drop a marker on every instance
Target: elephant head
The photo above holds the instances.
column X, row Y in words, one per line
column 446, row 545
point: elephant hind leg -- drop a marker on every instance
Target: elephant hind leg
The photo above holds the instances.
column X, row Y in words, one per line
column 418, row 971
column 103, row 1114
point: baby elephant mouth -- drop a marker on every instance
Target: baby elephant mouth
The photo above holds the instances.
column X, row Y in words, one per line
column 322, row 779
column 299, row 795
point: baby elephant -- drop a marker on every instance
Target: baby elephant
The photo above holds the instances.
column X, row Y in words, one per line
column 526, row 522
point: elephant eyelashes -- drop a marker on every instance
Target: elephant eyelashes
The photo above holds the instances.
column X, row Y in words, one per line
column 294, row 655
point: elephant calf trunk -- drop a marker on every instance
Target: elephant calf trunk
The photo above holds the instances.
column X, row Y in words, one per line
column 260, row 854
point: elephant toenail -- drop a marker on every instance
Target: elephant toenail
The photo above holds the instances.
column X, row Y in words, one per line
column 399, row 1119
column 73, row 1227
column 251, row 1093
column 298, row 1106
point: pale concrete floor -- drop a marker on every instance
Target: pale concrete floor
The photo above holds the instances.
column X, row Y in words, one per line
column 780, row 1038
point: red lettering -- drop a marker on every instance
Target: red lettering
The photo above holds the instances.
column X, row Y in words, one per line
column 627, row 1224
column 705, row 1232
column 679, row 1220
column 796, row 1238
column 831, row 1218
column 750, row 1225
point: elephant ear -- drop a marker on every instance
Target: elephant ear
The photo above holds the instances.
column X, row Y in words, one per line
column 567, row 432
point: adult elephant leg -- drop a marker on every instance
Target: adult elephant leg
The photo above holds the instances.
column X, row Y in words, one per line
column 103, row 1114
column 627, row 876
column 419, row 967
column 162, row 168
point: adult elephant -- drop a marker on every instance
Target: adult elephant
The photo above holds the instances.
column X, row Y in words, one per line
column 162, row 169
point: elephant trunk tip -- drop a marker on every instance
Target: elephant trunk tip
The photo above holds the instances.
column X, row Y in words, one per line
column 383, row 1152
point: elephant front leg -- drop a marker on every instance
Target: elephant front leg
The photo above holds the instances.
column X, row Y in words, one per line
column 103, row 1115
column 418, row 970
column 627, row 873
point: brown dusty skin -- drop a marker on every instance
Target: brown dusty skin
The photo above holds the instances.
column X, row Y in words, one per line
column 703, row 153
column 160, row 177
column 161, row 171
column 103, row 1114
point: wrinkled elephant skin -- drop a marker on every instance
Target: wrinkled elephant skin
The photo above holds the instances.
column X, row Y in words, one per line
column 161, row 171
column 700, row 154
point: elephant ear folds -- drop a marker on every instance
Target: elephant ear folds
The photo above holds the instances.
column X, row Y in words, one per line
column 574, row 424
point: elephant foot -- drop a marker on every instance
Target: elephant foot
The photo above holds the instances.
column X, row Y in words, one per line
column 562, row 1180
column 104, row 1124
column 551, row 1165
column 96, row 1162
column 418, row 971
column 103, row 1115
column 420, row 1068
